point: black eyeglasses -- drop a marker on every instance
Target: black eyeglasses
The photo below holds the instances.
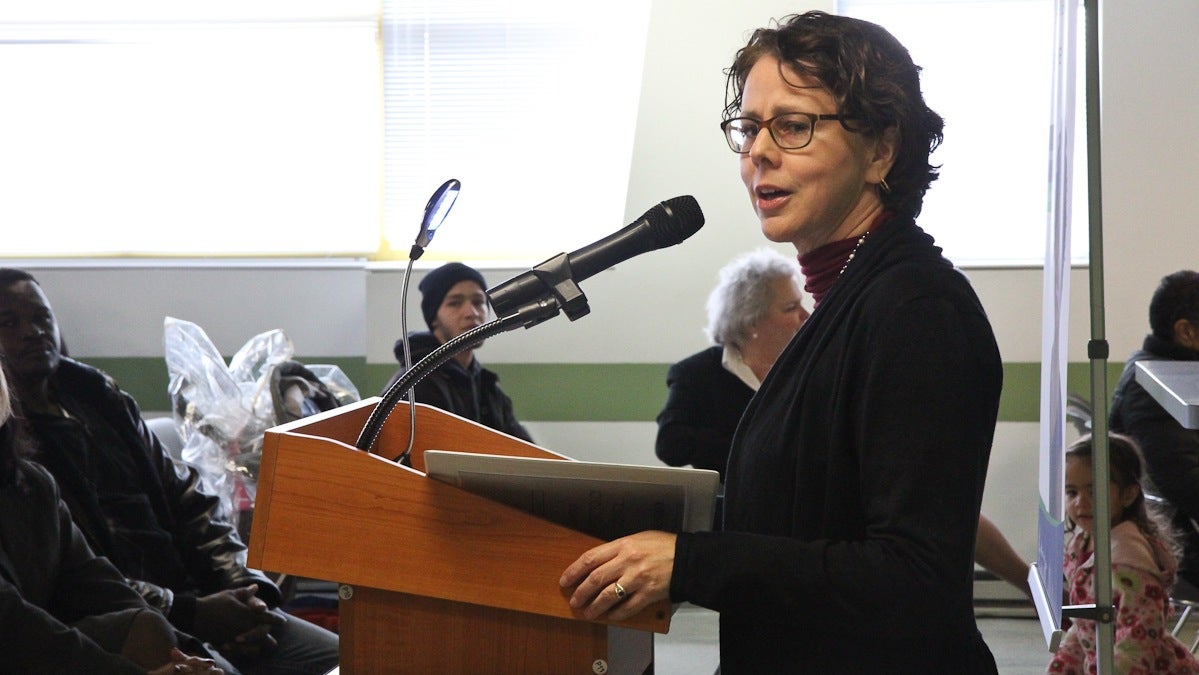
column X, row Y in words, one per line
column 790, row 131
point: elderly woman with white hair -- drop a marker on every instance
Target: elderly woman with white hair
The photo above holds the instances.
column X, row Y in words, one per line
column 754, row 311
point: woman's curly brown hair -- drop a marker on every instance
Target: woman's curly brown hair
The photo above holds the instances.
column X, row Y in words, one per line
column 873, row 79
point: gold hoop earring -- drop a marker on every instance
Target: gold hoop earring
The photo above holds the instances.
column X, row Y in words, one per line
column 882, row 183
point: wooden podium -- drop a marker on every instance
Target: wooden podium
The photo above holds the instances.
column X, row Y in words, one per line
column 433, row 579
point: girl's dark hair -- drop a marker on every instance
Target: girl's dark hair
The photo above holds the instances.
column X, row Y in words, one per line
column 873, row 79
column 1128, row 469
column 1176, row 297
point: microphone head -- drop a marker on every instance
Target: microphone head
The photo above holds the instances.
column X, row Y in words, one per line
column 674, row 220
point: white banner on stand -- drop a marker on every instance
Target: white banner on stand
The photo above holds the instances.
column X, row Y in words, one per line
column 1046, row 581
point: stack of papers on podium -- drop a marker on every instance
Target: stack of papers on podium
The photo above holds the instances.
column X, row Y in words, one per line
column 604, row 500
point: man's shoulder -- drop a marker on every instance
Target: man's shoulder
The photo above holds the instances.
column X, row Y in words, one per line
column 84, row 374
column 71, row 368
column 79, row 380
column 85, row 384
column 420, row 345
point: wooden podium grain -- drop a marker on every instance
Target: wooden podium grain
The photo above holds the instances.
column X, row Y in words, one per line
column 433, row 579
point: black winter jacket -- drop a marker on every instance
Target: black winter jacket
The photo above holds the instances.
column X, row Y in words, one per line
column 473, row 393
column 163, row 534
column 1171, row 450
column 49, row 580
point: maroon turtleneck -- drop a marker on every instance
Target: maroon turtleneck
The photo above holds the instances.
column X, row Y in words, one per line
column 822, row 267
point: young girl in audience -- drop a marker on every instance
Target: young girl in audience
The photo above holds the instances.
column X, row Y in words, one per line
column 1144, row 560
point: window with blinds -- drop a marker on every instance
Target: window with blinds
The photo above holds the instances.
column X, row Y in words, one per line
column 531, row 104
column 289, row 128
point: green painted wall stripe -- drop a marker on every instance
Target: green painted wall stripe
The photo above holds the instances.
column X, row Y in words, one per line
column 1021, row 398
column 146, row 377
column 588, row 392
column 596, row 392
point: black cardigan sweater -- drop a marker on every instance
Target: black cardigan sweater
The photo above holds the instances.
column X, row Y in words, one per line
column 855, row 480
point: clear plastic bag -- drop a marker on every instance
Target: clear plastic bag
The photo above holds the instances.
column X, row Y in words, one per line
column 222, row 411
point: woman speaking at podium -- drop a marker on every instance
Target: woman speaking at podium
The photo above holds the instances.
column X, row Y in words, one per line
column 856, row 476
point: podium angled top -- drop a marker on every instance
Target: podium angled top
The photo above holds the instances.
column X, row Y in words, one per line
column 1175, row 386
column 327, row 510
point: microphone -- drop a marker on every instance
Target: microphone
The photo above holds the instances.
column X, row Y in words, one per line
column 666, row 224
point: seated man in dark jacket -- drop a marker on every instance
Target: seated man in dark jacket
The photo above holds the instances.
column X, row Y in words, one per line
column 1171, row 450
column 140, row 509
column 453, row 302
column 63, row 609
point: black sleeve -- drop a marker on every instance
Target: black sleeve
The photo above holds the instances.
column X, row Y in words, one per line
column 211, row 547
column 688, row 430
column 36, row 642
column 86, row 584
column 508, row 422
column 39, row 639
column 511, row 425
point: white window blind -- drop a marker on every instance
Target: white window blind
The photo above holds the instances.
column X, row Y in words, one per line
column 531, row 104
column 190, row 128
column 987, row 69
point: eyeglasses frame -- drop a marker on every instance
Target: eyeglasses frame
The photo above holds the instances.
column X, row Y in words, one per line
column 769, row 125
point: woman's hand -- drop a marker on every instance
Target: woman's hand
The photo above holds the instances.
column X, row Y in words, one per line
column 616, row 580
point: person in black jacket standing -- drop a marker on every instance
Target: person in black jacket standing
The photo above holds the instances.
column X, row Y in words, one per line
column 139, row 508
column 856, row 476
column 1171, row 450
column 453, row 302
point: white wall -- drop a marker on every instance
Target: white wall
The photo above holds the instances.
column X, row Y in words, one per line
column 107, row 311
column 650, row 309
